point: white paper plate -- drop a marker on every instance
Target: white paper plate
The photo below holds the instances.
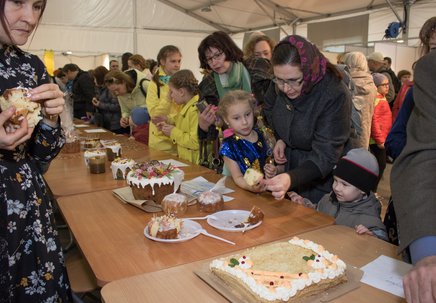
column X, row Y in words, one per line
column 227, row 220
column 190, row 229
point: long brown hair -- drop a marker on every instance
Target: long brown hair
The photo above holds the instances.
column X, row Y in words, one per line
column 4, row 22
column 163, row 54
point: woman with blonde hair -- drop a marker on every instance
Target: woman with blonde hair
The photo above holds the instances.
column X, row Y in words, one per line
column 259, row 46
column 363, row 98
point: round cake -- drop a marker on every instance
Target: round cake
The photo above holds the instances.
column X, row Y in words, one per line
column 25, row 108
column 91, row 142
column 120, row 168
column 175, row 204
column 113, row 149
column 154, row 180
column 72, row 145
column 210, row 202
column 164, row 227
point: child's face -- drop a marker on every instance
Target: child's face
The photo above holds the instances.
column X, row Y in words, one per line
column 178, row 95
column 383, row 88
column 345, row 192
column 171, row 64
column 240, row 117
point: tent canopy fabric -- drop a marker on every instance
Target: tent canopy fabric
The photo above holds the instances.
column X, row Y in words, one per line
column 96, row 27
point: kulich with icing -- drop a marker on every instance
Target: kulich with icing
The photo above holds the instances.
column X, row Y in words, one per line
column 154, row 180
column 164, row 227
column 281, row 272
column 175, row 204
column 93, row 152
column 120, row 167
column 210, row 202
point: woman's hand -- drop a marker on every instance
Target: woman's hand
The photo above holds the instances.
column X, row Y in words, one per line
column 270, row 170
column 279, row 185
column 420, row 282
column 52, row 101
column 207, row 117
column 279, row 152
column 363, row 230
column 9, row 139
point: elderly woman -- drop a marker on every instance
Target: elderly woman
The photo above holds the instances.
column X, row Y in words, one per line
column 363, row 98
column 309, row 109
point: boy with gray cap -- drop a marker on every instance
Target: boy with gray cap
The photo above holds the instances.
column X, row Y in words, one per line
column 352, row 201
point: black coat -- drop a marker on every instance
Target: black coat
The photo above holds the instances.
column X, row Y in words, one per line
column 83, row 92
column 316, row 128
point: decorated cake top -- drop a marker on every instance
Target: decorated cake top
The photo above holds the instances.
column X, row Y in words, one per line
column 153, row 169
column 93, row 152
column 121, row 161
column 175, row 198
column 278, row 271
column 209, row 197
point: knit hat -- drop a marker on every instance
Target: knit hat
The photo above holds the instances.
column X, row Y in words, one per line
column 378, row 78
column 140, row 116
column 376, row 56
column 359, row 168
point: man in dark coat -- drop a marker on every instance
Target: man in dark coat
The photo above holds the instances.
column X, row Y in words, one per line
column 83, row 90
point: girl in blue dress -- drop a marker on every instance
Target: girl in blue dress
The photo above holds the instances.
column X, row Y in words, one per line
column 246, row 147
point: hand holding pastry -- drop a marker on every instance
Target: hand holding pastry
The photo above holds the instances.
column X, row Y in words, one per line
column 52, row 100
column 12, row 137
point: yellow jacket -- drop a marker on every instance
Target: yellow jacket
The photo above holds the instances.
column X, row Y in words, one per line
column 185, row 133
column 157, row 107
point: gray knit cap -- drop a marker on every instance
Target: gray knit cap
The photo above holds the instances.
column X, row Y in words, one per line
column 359, row 168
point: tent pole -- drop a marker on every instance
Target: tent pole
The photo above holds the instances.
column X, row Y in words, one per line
column 135, row 31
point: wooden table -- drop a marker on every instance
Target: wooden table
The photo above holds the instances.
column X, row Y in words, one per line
column 68, row 174
column 180, row 284
column 110, row 233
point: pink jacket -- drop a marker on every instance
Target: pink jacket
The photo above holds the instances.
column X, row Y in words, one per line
column 381, row 120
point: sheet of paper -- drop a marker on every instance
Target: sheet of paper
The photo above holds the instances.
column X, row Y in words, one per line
column 386, row 273
column 81, row 125
column 198, row 185
column 95, row 130
column 174, row 162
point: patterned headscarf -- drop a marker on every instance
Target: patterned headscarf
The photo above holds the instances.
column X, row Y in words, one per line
column 313, row 63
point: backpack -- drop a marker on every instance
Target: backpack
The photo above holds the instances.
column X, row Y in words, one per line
column 141, row 87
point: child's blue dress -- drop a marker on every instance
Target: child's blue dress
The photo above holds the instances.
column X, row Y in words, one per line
column 245, row 153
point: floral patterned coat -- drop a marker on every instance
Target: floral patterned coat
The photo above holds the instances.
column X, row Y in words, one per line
column 31, row 259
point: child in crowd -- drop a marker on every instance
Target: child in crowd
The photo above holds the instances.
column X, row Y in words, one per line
column 183, row 130
column 352, row 201
column 246, row 147
column 158, row 105
column 381, row 123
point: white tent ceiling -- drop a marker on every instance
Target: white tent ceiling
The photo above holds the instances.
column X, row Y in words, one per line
column 94, row 27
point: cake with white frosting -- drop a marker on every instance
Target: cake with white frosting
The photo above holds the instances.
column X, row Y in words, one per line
column 154, row 180
column 92, row 153
column 281, row 272
column 175, row 204
column 210, row 202
column 120, row 167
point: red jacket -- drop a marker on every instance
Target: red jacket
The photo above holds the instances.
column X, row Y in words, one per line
column 381, row 120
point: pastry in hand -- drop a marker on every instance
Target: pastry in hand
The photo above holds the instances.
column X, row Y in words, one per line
column 24, row 107
column 252, row 176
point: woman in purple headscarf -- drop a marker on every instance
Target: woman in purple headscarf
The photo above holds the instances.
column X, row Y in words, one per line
column 309, row 109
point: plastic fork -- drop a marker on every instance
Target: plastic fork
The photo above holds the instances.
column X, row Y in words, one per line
column 202, row 218
column 205, row 232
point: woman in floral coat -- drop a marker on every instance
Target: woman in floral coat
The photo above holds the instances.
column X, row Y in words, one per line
column 31, row 260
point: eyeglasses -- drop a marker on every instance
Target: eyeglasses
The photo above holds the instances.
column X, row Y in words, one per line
column 217, row 56
column 384, row 84
column 112, row 80
column 290, row 82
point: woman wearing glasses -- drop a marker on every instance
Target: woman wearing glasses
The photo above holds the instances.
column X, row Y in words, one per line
column 219, row 54
column 310, row 110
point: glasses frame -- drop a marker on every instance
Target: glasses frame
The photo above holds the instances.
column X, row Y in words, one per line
column 217, row 57
column 291, row 83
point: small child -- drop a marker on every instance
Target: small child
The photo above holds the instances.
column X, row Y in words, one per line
column 183, row 130
column 246, row 147
column 381, row 123
column 352, row 201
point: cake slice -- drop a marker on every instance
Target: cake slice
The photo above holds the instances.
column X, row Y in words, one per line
column 252, row 176
column 281, row 272
column 165, row 227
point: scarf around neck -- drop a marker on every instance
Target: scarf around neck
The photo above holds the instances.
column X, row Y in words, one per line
column 313, row 63
column 238, row 79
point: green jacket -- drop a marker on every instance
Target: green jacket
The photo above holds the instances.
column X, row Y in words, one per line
column 136, row 98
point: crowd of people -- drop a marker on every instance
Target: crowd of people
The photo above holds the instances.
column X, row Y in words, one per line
column 320, row 134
